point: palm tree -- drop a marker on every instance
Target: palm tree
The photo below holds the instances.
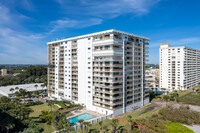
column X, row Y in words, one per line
column 22, row 92
column 17, row 88
column 42, row 85
column 120, row 129
column 100, row 124
column 46, row 117
column 58, row 120
column 81, row 124
column 37, row 94
column 114, row 125
column 105, row 127
column 130, row 120
column 29, row 94
column 87, row 125
column 67, row 127
column 50, row 103
column 36, row 86
column 12, row 89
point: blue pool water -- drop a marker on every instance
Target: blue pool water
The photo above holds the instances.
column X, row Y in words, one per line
column 158, row 90
column 83, row 116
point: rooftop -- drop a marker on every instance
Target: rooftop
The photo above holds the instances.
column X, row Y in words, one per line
column 99, row 33
column 5, row 90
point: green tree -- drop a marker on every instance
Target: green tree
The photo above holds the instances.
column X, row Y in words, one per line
column 174, row 96
column 37, row 94
column 67, row 127
column 16, row 88
column 46, row 116
column 101, row 124
column 114, row 123
column 29, row 94
column 81, row 124
column 130, row 120
column 105, row 127
column 42, row 85
column 36, row 87
column 12, row 89
column 87, row 125
column 58, row 120
column 51, row 104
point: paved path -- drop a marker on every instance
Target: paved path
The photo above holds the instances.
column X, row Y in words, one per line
column 195, row 128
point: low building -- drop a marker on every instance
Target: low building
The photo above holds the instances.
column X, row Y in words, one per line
column 5, row 90
column 152, row 79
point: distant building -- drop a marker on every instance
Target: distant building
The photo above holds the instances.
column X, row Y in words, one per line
column 15, row 74
column 5, row 90
column 4, row 72
column 152, row 78
column 103, row 70
column 179, row 67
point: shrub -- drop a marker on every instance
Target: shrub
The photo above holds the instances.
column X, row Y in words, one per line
column 33, row 104
column 182, row 115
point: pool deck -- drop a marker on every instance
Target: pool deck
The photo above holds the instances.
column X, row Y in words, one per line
column 83, row 111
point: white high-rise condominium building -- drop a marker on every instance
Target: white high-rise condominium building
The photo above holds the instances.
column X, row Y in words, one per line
column 104, row 71
column 179, row 67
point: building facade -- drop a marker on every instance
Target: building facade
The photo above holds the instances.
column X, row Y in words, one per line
column 104, row 71
column 179, row 67
column 152, row 79
column 4, row 72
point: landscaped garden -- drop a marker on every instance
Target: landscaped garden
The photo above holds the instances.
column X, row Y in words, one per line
column 149, row 119
column 190, row 98
column 49, row 118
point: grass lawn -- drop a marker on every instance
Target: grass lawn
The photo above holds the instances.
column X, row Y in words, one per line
column 37, row 111
column 143, row 112
column 191, row 98
column 39, row 108
column 176, row 127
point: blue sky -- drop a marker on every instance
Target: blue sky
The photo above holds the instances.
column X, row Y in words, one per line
column 27, row 25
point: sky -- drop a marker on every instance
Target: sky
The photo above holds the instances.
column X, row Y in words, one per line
column 27, row 25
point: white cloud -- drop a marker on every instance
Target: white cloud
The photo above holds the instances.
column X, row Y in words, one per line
column 99, row 10
column 108, row 8
column 68, row 23
column 17, row 46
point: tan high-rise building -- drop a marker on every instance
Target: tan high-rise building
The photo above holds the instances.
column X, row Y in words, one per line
column 4, row 72
column 104, row 71
column 179, row 67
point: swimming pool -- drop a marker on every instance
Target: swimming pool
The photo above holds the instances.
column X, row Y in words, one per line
column 82, row 116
